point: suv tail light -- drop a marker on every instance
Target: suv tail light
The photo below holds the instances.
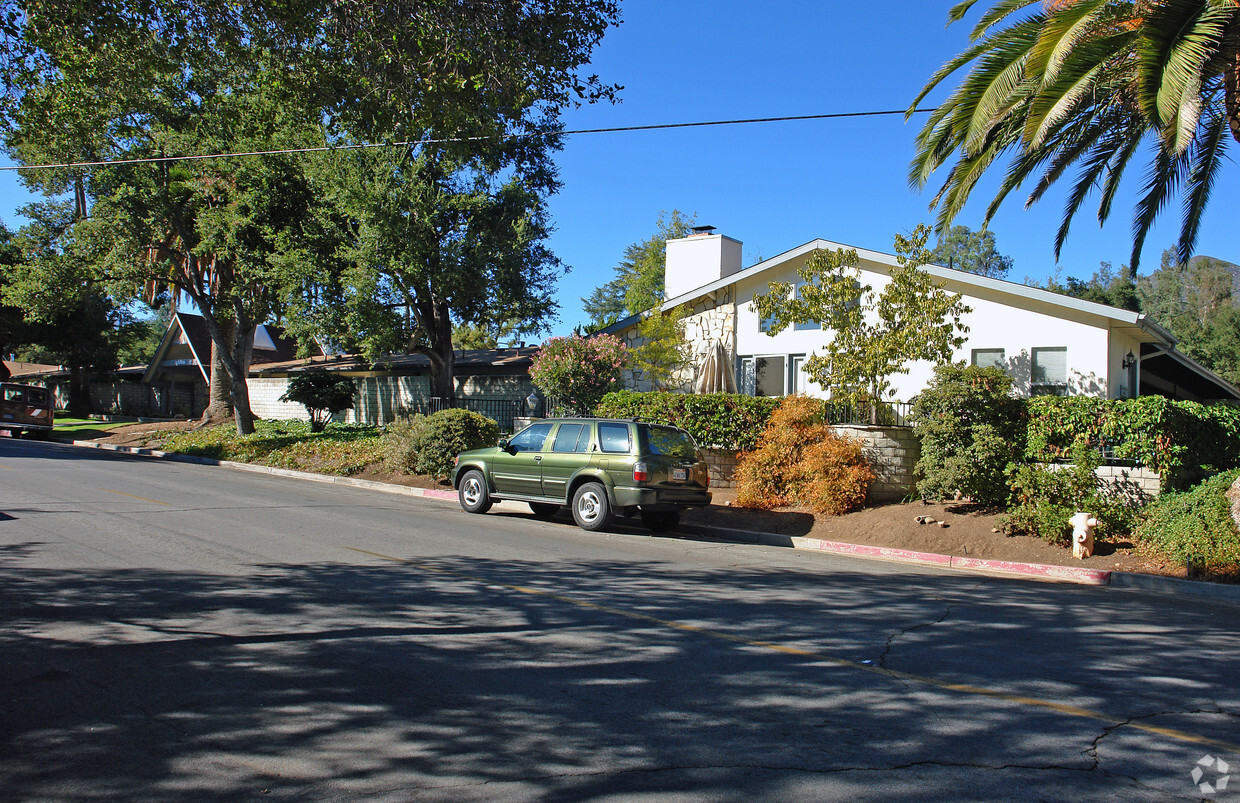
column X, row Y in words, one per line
column 641, row 473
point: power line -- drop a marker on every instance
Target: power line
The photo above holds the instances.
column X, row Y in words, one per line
column 445, row 140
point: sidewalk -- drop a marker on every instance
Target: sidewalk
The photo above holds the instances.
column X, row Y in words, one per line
column 1033, row 571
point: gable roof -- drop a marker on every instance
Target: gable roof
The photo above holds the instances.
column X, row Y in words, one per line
column 966, row 281
column 270, row 345
column 1141, row 326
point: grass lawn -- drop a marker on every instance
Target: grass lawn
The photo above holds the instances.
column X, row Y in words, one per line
column 83, row 428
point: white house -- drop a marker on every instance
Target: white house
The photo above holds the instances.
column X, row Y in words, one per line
column 1049, row 343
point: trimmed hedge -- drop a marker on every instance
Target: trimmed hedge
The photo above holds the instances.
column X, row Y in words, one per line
column 720, row 420
column 1182, row 440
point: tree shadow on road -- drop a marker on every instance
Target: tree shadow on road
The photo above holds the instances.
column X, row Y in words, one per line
column 454, row 677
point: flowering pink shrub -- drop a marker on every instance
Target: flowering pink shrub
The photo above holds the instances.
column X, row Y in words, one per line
column 579, row 371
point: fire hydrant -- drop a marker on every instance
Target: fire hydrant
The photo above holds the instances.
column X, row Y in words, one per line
column 1083, row 526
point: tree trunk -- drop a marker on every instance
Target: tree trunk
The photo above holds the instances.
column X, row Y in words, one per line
column 438, row 327
column 79, row 391
column 239, row 370
column 220, row 406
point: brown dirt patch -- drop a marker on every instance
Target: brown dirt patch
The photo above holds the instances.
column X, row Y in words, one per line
column 969, row 532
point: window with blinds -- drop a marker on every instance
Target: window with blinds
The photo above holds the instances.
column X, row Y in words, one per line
column 1050, row 371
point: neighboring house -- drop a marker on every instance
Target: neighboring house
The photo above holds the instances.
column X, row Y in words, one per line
column 1048, row 343
column 179, row 374
column 494, row 382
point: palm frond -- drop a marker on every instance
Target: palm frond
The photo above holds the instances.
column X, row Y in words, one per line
column 1206, row 159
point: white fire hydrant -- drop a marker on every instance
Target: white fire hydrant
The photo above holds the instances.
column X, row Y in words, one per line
column 1083, row 526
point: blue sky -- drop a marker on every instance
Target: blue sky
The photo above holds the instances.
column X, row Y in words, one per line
column 775, row 186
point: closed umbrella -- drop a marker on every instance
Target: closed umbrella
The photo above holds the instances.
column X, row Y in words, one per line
column 716, row 374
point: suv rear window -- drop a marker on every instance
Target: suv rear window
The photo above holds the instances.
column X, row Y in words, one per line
column 670, row 441
column 614, row 437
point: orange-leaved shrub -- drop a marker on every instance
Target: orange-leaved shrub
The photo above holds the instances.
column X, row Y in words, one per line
column 801, row 461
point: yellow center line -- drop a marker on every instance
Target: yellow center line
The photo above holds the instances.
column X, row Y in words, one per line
column 131, row 496
column 908, row 677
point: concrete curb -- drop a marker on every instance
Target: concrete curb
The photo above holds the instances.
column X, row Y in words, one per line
column 1036, row 571
column 1033, row 571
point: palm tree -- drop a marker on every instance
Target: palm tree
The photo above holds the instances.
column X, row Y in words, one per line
column 1084, row 85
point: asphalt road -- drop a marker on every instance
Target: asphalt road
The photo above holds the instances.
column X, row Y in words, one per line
column 173, row 631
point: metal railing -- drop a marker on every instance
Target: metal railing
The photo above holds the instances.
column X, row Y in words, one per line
column 887, row 414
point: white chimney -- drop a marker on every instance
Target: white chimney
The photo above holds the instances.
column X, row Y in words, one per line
column 699, row 259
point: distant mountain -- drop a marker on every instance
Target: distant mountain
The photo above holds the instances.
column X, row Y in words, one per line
column 1231, row 267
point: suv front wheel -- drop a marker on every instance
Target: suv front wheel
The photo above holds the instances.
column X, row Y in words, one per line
column 473, row 493
column 591, row 510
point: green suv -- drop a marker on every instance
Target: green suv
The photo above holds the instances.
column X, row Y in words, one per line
column 600, row 468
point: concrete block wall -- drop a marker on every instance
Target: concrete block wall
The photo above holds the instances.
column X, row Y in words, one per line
column 893, row 453
column 722, row 466
column 265, row 393
column 1137, row 486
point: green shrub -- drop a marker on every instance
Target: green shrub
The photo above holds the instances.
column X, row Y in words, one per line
column 323, row 394
column 1044, row 497
column 720, row 420
column 429, row 444
column 800, row 461
column 971, row 428
column 1195, row 527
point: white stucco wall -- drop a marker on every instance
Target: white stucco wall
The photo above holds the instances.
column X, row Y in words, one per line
column 997, row 320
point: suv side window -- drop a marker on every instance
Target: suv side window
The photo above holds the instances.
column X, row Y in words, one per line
column 572, row 438
column 614, row 437
column 530, row 439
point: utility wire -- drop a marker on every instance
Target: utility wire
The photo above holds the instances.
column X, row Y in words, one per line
column 439, row 141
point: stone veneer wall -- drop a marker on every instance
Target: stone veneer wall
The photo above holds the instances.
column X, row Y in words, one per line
column 709, row 320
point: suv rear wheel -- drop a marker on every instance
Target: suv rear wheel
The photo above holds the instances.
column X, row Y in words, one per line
column 591, row 510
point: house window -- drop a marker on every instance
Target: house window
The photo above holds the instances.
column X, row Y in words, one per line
column 770, row 378
column 808, row 325
column 1050, row 371
column 764, row 376
column 766, row 324
column 989, row 358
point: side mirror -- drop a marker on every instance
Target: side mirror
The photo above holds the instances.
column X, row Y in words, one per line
column 502, row 444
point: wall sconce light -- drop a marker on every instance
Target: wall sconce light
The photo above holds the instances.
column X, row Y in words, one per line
column 1129, row 360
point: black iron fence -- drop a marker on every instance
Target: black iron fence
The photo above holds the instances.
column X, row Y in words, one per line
column 500, row 410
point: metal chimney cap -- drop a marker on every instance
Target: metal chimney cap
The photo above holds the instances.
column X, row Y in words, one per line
column 698, row 230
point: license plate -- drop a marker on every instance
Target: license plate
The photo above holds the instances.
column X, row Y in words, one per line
column 680, row 474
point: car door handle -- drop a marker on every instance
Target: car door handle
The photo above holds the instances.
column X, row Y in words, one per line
column 537, row 458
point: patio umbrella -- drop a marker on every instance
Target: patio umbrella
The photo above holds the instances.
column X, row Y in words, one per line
column 717, row 374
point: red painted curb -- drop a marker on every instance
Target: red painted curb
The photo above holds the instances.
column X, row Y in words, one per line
column 439, row 494
column 862, row 550
column 1089, row 576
